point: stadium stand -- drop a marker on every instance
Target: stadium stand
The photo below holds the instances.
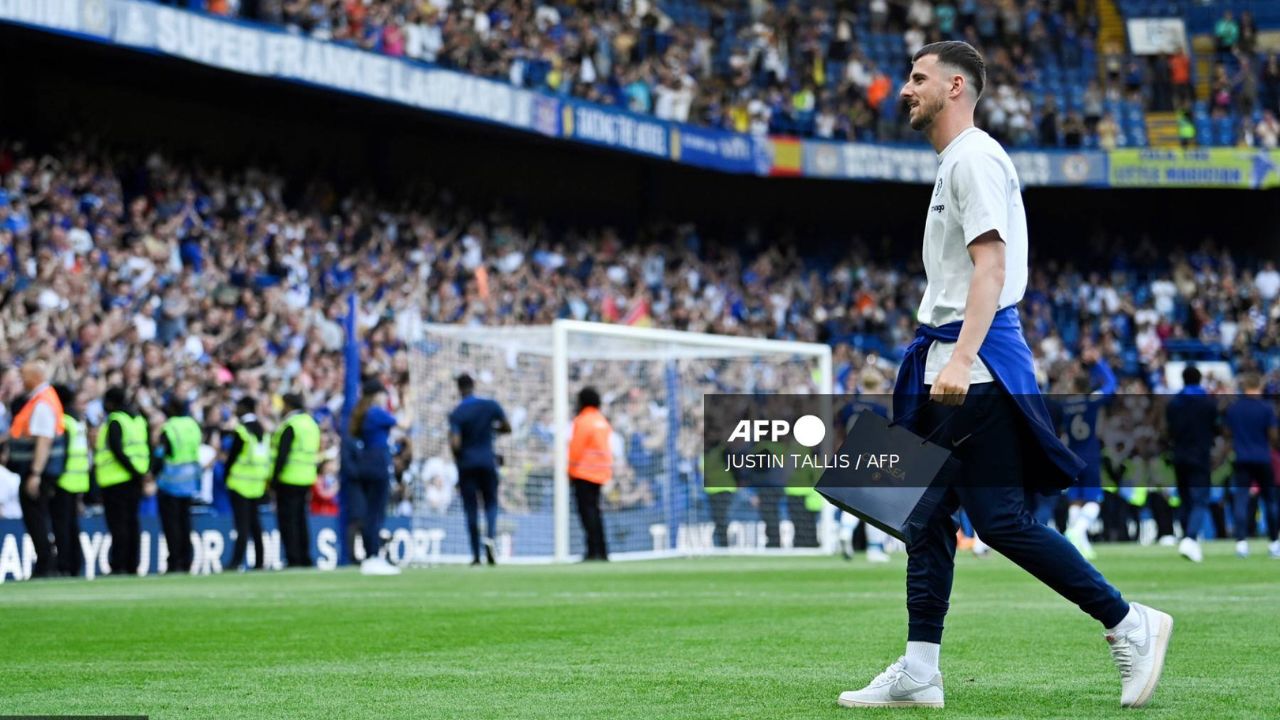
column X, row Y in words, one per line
column 817, row 69
column 827, row 69
column 149, row 271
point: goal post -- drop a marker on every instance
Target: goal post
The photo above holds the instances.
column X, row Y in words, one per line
column 652, row 382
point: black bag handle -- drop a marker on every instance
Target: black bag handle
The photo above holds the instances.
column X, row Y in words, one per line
column 936, row 430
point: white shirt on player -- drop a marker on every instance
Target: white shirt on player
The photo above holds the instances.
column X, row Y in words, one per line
column 976, row 191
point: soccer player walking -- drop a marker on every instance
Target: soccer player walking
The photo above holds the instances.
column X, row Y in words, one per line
column 1251, row 422
column 1080, row 418
column 970, row 360
column 472, row 425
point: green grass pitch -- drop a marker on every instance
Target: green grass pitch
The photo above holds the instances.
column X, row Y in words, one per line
column 698, row 638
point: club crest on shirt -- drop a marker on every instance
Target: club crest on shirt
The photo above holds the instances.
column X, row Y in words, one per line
column 938, row 189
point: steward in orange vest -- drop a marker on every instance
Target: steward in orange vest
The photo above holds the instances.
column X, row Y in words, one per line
column 590, row 467
column 37, row 452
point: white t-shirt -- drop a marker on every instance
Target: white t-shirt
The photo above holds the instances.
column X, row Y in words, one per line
column 9, row 485
column 1268, row 284
column 977, row 190
column 44, row 422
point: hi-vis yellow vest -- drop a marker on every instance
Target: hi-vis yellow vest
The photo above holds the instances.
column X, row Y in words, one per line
column 133, row 435
column 304, row 451
column 75, row 477
column 248, row 476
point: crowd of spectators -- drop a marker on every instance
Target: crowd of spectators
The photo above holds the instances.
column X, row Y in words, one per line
column 1244, row 89
column 827, row 68
column 166, row 279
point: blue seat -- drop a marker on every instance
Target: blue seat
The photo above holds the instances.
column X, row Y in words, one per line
column 1223, row 132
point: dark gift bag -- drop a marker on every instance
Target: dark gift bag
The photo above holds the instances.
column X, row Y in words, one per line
column 894, row 479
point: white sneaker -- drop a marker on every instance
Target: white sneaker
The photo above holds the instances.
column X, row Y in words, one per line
column 1080, row 538
column 846, row 548
column 876, row 555
column 378, row 565
column 1242, row 548
column 1139, row 655
column 895, row 688
column 1168, row 541
column 980, row 549
column 1190, row 549
column 1275, row 550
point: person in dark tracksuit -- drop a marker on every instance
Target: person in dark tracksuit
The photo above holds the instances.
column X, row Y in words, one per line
column 1192, row 421
column 472, row 425
column 371, row 426
column 177, row 469
column 247, row 466
column 1251, row 421
column 121, row 461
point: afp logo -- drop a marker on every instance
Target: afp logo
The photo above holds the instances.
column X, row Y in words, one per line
column 809, row 430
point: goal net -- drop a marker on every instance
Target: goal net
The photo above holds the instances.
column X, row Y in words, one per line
column 652, row 384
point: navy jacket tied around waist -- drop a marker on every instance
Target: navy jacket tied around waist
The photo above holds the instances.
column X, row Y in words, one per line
column 1048, row 464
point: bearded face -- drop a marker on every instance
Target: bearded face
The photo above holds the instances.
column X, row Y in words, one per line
column 925, row 108
column 925, row 91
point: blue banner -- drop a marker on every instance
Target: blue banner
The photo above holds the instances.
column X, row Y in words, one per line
column 350, row 364
column 720, row 150
column 427, row 539
column 615, row 129
column 919, row 164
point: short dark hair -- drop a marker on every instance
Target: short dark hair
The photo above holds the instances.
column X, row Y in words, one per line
column 465, row 383
column 114, row 398
column 588, row 397
column 1082, row 384
column 961, row 55
column 246, row 405
column 176, row 406
column 293, row 401
column 66, row 396
column 1191, row 375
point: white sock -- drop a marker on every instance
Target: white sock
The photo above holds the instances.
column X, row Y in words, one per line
column 1073, row 514
column 1085, row 517
column 876, row 537
column 1089, row 512
column 1129, row 622
column 922, row 659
